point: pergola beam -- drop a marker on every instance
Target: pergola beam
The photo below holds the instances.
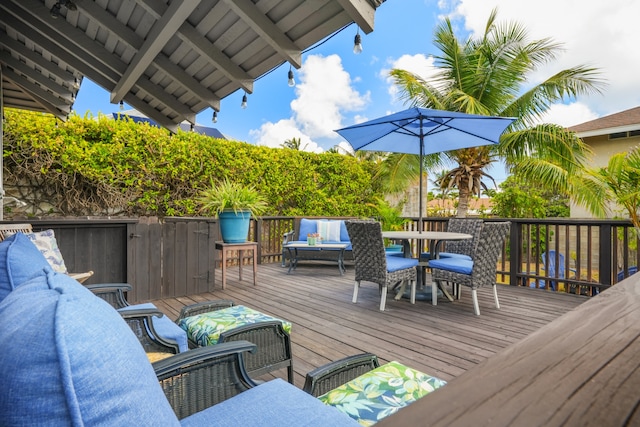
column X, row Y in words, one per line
column 163, row 29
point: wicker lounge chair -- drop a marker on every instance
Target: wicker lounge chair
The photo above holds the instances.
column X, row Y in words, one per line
column 274, row 343
column 9, row 229
column 480, row 271
column 372, row 263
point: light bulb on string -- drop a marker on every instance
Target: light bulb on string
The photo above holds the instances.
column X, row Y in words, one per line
column 357, row 43
column 214, row 119
column 243, row 105
column 292, row 81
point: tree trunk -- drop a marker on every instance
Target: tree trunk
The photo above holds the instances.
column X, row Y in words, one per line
column 463, row 199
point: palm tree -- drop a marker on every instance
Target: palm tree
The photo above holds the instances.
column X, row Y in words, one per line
column 292, row 144
column 621, row 178
column 487, row 76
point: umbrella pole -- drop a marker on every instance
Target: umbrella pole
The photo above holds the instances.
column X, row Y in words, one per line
column 420, row 182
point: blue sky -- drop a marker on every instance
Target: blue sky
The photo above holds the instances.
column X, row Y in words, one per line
column 336, row 88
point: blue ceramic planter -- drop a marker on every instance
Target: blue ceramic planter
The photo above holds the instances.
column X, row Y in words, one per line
column 234, row 227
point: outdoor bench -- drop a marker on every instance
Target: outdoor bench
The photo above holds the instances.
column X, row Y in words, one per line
column 331, row 231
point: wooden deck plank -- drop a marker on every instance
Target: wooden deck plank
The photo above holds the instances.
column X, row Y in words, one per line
column 445, row 340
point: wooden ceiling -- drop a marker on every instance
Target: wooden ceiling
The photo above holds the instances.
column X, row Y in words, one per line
column 168, row 59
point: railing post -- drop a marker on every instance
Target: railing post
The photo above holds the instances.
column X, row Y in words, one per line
column 606, row 250
column 258, row 238
column 515, row 252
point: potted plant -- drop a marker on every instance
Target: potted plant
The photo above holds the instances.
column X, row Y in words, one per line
column 233, row 204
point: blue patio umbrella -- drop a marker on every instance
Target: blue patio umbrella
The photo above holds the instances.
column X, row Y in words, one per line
column 424, row 131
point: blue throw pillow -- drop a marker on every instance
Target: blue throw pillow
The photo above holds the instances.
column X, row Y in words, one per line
column 307, row 226
column 68, row 358
column 20, row 260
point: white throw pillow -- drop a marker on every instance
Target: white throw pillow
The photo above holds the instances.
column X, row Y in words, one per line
column 329, row 230
column 46, row 242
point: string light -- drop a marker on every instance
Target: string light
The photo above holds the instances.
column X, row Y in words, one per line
column 357, row 43
column 214, row 119
column 243, row 105
column 121, row 105
column 291, row 81
column 76, row 83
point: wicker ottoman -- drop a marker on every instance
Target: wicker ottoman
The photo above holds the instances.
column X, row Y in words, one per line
column 381, row 392
column 271, row 336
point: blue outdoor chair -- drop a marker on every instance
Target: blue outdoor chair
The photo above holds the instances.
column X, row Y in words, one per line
column 631, row 271
column 551, row 270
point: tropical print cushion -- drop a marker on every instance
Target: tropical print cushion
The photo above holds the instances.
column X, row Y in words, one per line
column 205, row 329
column 381, row 392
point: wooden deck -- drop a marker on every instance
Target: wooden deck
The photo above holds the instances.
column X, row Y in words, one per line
column 443, row 341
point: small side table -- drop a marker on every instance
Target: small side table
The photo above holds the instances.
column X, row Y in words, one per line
column 246, row 246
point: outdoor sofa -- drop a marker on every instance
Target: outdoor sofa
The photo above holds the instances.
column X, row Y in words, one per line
column 330, row 231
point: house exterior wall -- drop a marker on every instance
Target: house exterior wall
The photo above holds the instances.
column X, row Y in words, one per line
column 603, row 148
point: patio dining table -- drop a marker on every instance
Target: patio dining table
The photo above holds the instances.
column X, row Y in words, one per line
column 436, row 240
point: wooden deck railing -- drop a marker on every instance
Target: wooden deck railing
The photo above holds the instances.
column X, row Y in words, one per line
column 177, row 256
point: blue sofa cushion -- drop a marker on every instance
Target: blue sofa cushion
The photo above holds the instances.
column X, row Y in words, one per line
column 307, row 226
column 164, row 326
column 457, row 265
column 258, row 407
column 20, row 260
column 69, row 359
column 395, row 263
column 344, row 235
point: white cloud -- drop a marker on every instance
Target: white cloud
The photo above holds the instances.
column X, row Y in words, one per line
column 417, row 64
column 568, row 115
column 324, row 93
column 275, row 134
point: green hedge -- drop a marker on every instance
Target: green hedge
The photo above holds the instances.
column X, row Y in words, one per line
column 100, row 166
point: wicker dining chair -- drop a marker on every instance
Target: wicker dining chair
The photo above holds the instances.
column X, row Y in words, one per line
column 372, row 263
column 460, row 248
column 475, row 273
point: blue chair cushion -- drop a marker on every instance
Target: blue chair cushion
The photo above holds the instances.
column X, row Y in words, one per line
column 68, row 358
column 395, row 263
column 427, row 255
column 457, row 265
column 164, row 326
column 20, row 260
column 257, row 407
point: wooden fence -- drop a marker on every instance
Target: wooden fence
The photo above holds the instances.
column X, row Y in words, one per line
column 176, row 256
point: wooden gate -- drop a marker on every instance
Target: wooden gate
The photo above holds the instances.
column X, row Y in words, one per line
column 175, row 257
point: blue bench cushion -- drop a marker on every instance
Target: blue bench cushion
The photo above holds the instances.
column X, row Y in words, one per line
column 164, row 326
column 395, row 263
column 68, row 358
column 457, row 265
column 205, row 328
column 262, row 406
column 20, row 260
column 381, row 392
